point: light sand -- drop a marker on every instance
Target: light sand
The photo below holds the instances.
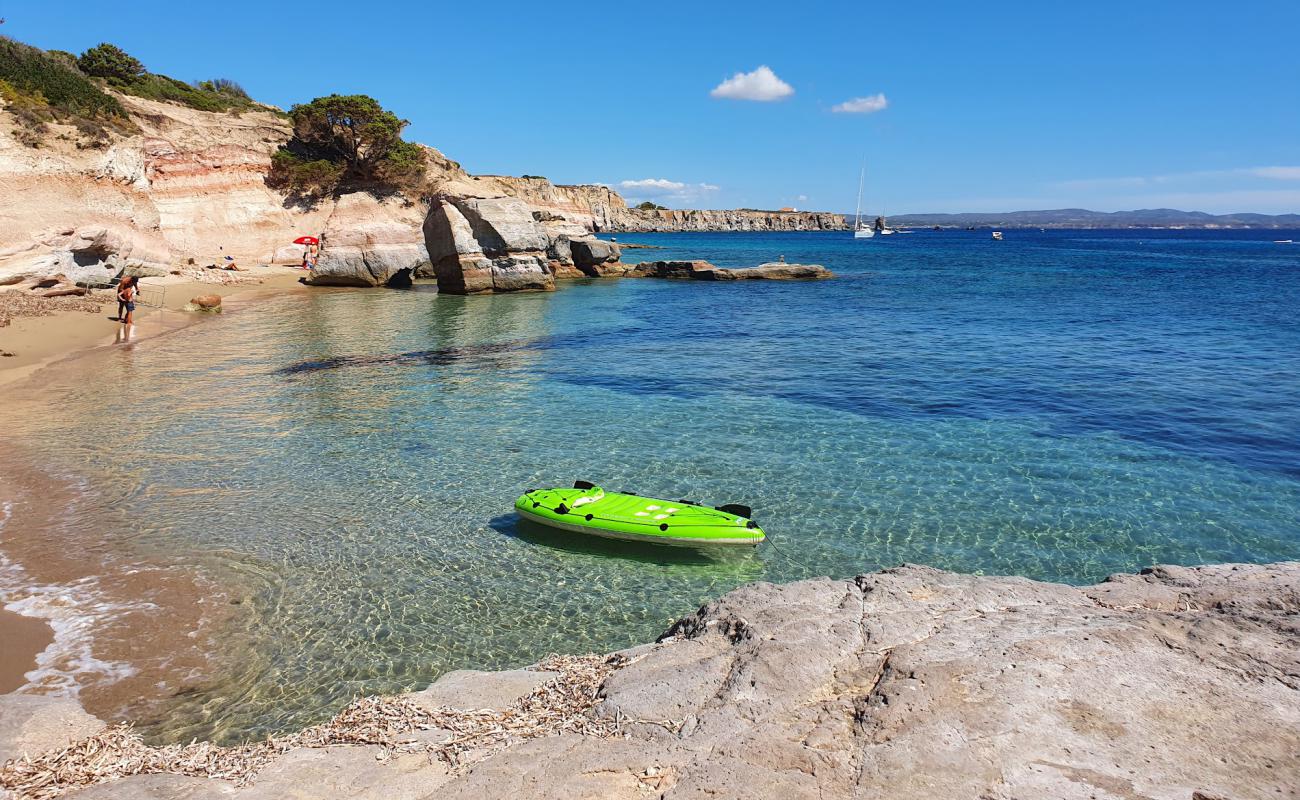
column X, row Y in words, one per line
column 38, row 341
column 21, row 640
column 169, row 612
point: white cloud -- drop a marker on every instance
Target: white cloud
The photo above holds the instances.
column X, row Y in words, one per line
column 862, row 105
column 1277, row 173
column 653, row 186
column 666, row 191
column 1198, row 176
column 761, row 85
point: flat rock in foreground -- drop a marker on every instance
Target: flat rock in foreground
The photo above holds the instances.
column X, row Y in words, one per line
column 908, row 683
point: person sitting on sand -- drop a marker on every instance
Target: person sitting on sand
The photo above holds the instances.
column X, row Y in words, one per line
column 126, row 293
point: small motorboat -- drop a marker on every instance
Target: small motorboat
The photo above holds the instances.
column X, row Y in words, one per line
column 997, row 235
column 589, row 509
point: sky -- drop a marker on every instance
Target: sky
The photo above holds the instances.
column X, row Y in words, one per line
column 951, row 106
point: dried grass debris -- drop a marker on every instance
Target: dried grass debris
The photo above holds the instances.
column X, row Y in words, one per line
column 559, row 705
column 15, row 304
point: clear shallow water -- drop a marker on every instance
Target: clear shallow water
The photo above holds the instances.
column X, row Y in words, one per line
column 1060, row 405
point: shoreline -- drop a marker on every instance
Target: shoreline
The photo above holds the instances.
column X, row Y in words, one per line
column 57, row 608
column 39, row 342
column 904, row 683
column 25, row 638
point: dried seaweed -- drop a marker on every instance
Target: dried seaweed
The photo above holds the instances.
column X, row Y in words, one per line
column 15, row 304
column 559, row 705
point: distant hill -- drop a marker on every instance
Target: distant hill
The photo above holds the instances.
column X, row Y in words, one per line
column 1083, row 218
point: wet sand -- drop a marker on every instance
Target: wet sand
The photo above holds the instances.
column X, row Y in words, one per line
column 130, row 630
column 36, row 342
column 21, row 640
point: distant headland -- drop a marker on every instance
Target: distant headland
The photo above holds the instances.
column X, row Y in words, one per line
column 1083, row 218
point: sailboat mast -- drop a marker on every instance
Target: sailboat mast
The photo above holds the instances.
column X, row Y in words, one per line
column 857, row 213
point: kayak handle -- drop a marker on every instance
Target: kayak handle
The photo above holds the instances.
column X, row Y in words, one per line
column 737, row 509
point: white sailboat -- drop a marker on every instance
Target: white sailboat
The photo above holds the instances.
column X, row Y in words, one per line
column 860, row 230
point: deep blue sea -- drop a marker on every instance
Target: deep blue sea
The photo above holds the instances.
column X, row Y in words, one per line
column 1060, row 405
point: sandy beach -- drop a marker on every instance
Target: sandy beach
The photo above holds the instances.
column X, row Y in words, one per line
column 30, row 343
column 152, row 635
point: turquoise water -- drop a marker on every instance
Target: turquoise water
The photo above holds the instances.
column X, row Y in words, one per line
column 1059, row 405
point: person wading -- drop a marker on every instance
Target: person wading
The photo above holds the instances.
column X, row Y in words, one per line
column 130, row 281
column 126, row 294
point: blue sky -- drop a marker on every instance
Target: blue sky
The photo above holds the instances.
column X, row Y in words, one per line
column 988, row 106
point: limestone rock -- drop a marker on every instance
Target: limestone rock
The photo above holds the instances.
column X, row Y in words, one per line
column 158, row 787
column 369, row 241
column 479, row 245
column 205, row 302
column 909, row 684
column 633, row 219
column 594, row 257
column 775, row 272
column 471, row 689
column 35, row 723
column 358, row 773
column 918, row 683
column 704, row 271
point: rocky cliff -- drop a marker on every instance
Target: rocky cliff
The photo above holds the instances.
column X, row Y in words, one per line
column 638, row 220
column 601, row 209
column 192, row 185
column 1178, row 683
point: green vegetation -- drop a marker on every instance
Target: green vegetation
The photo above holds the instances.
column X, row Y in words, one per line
column 161, row 87
column 347, row 141
column 649, row 206
column 223, row 86
column 35, row 72
column 111, row 62
column 127, row 74
column 39, row 88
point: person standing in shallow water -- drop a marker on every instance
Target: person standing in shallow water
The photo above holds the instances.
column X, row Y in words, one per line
column 121, row 304
column 126, row 294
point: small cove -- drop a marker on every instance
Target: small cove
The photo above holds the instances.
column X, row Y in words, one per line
column 1061, row 406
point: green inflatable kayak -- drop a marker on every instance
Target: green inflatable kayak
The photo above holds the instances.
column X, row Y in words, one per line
column 587, row 508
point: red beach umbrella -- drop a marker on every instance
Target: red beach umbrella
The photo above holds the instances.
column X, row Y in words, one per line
column 306, row 240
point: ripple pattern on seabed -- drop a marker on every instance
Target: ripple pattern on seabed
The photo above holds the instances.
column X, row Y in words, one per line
column 1079, row 405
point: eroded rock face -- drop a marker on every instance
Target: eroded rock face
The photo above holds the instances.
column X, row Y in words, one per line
column 917, row 683
column 908, row 684
column 480, row 245
column 369, row 241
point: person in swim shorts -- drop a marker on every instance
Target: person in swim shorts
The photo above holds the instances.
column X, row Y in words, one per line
column 126, row 294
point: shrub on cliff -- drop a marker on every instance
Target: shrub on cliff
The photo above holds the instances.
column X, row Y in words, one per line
column 357, row 138
column 62, row 86
column 125, row 73
column 161, row 87
column 649, row 206
column 223, row 86
column 111, row 62
column 40, row 88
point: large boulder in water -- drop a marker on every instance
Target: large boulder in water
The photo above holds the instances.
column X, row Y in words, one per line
column 595, row 257
column 482, row 245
